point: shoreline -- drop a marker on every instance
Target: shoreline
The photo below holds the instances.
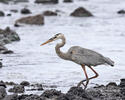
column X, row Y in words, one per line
column 111, row 91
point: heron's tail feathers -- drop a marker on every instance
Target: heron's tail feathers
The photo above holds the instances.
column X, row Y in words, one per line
column 109, row 61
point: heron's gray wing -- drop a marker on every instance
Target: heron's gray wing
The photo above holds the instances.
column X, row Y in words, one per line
column 86, row 56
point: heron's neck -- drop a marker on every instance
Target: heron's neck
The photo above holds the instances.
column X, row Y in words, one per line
column 59, row 52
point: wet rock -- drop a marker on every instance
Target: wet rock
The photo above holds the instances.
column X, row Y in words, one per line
column 122, row 90
column 8, row 14
column 7, row 52
column 2, row 84
column 49, row 13
column 17, row 89
column 40, row 87
column 4, row 1
column 122, row 83
column 95, row 93
column 10, row 83
column 33, row 97
column 1, row 65
column 111, row 84
column 69, row 96
column 2, row 92
column 14, row 10
column 47, row 1
column 25, row 11
column 51, row 94
column 121, row 11
column 32, row 20
column 23, row 96
column 81, row 12
column 67, row 1
column 11, row 97
column 4, row 50
column 25, row 83
column 80, row 92
column 2, row 14
column 7, row 35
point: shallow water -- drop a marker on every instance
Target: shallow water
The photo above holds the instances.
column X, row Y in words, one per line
column 103, row 33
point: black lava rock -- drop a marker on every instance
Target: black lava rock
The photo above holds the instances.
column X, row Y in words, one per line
column 111, row 84
column 49, row 13
column 11, row 97
column 121, row 12
column 25, row 11
column 17, row 89
column 51, row 93
column 81, row 12
column 2, row 14
column 67, row 1
column 2, row 84
column 1, row 65
column 2, row 92
column 122, row 83
column 80, row 92
column 25, row 83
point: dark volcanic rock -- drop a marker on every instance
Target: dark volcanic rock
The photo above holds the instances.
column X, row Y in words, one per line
column 25, row 11
column 2, row 14
column 81, row 12
column 8, row 35
column 121, row 12
column 122, row 83
column 10, row 83
column 25, row 83
column 47, row 1
column 2, row 84
column 1, row 65
column 2, row 92
column 49, row 13
column 108, row 92
column 32, row 20
column 17, row 89
column 33, row 97
column 80, row 92
column 8, row 14
column 40, row 87
column 111, row 84
column 11, row 97
column 4, row 1
column 67, row 1
column 4, row 50
column 51, row 93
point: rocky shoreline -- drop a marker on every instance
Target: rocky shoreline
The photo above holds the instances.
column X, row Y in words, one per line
column 111, row 91
column 7, row 36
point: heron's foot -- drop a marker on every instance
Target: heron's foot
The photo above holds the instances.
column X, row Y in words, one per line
column 82, row 83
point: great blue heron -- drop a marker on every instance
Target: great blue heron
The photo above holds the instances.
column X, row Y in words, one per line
column 81, row 56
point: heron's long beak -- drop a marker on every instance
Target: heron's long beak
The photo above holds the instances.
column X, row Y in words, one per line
column 48, row 41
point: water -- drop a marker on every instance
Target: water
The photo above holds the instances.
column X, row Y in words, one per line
column 103, row 33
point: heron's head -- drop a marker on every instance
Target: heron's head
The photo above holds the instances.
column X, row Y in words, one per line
column 56, row 37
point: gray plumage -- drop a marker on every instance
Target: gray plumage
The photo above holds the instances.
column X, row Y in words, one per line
column 81, row 55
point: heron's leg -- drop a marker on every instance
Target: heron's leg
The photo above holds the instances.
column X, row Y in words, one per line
column 87, row 79
column 96, row 75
